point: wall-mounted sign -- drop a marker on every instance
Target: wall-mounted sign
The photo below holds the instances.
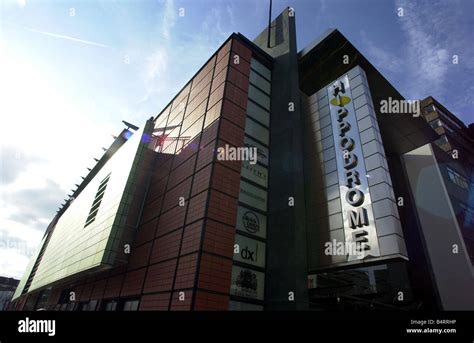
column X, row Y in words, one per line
column 250, row 251
column 262, row 151
column 251, row 222
column 253, row 196
column 247, row 283
column 359, row 223
column 255, row 173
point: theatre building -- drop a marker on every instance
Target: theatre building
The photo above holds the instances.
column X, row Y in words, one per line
column 271, row 181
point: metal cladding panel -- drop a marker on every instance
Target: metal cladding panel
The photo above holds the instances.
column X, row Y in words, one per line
column 449, row 262
column 75, row 247
column 356, row 218
column 28, row 270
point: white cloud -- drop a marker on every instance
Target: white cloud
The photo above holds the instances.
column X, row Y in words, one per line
column 323, row 5
column 382, row 58
column 155, row 73
column 169, row 19
column 47, row 135
column 39, row 115
column 169, row 64
column 12, row 263
column 215, row 20
column 230, row 14
column 74, row 39
column 18, row 243
column 156, row 64
column 422, row 64
column 56, row 35
column 13, row 231
column 428, row 48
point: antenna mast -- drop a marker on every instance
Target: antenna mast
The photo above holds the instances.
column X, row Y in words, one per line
column 269, row 24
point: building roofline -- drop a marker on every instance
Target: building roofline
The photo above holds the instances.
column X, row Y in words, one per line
column 321, row 62
column 114, row 147
column 234, row 35
column 451, row 115
column 262, row 53
column 316, row 42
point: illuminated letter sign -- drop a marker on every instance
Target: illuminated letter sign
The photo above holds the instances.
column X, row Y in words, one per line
column 359, row 223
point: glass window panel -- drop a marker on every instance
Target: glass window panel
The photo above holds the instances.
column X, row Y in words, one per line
column 457, row 179
column 191, row 119
column 259, row 97
column 253, row 196
column 160, row 122
column 451, row 175
column 190, row 134
column 261, row 69
column 446, row 118
column 430, row 109
column 260, row 82
column 258, row 113
column 169, row 141
column 130, row 305
column 256, row 131
column 442, row 140
column 92, row 305
column 181, row 99
column 111, row 305
column 436, row 123
column 176, row 116
column 262, row 152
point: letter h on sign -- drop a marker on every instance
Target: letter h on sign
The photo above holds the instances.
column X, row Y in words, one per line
column 340, row 88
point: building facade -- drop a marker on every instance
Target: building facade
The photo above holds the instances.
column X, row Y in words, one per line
column 271, row 181
column 7, row 289
column 456, row 165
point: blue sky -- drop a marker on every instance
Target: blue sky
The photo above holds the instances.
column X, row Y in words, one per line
column 70, row 71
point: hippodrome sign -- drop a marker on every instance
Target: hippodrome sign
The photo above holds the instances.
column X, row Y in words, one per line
column 358, row 219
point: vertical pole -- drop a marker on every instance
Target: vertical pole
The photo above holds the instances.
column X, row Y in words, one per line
column 269, row 24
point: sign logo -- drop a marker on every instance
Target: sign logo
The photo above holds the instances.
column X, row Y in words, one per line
column 262, row 153
column 247, row 283
column 251, row 222
column 340, row 101
column 248, row 254
column 249, row 251
column 355, row 197
column 247, row 280
column 253, row 196
column 256, row 173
